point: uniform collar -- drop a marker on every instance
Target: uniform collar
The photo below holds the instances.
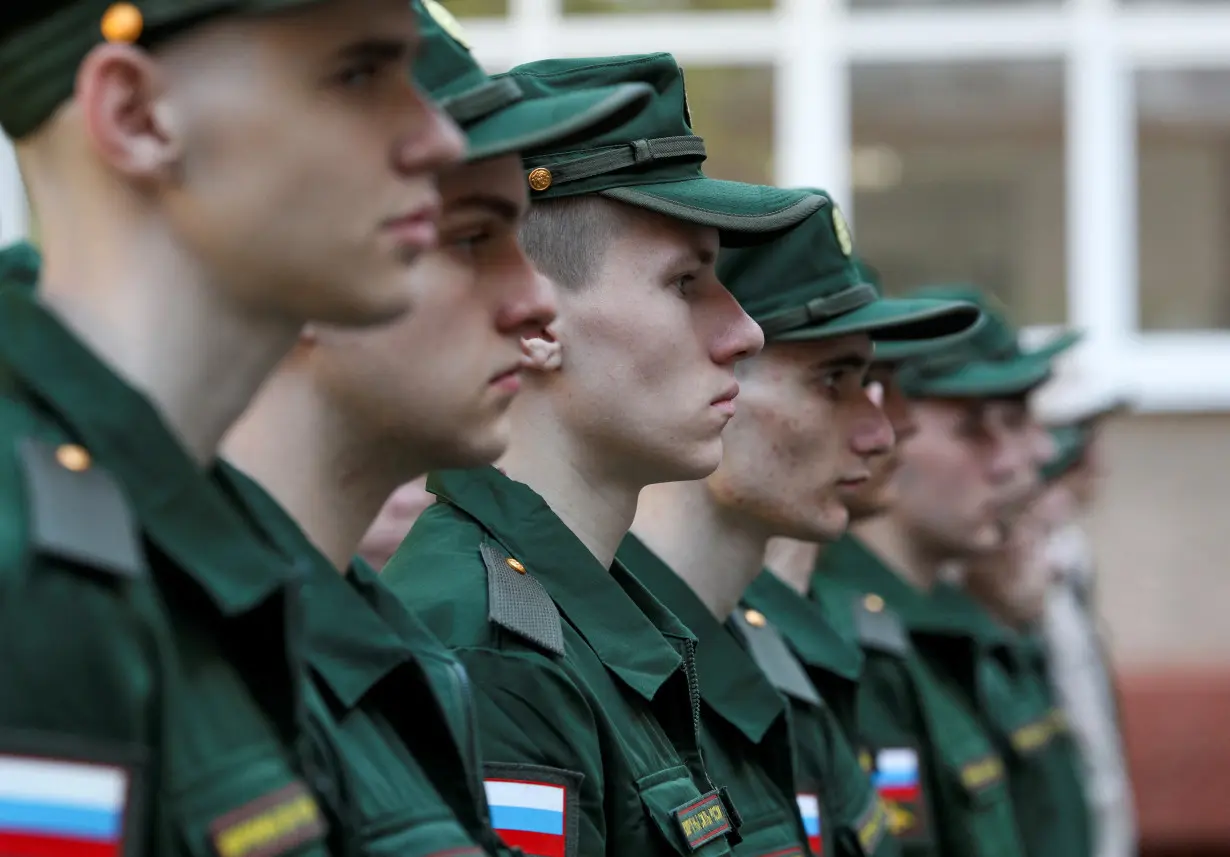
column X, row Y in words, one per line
column 730, row 682
column 366, row 581
column 992, row 636
column 350, row 646
column 805, row 626
column 627, row 629
column 179, row 509
column 850, row 561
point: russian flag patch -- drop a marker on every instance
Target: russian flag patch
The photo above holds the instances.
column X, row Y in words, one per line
column 896, row 774
column 532, row 816
column 61, row 807
column 809, row 809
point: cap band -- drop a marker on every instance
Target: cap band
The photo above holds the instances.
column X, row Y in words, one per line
column 612, row 158
column 819, row 309
column 468, row 107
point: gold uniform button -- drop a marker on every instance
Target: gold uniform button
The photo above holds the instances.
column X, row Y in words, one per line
column 515, row 565
column 873, row 603
column 122, row 22
column 540, row 178
column 755, row 618
column 73, row 457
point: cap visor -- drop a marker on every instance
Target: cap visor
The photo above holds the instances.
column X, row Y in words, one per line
column 1058, row 345
column 986, row 379
column 745, row 214
column 890, row 320
column 535, row 122
column 900, row 350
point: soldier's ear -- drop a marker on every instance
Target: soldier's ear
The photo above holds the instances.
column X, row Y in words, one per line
column 543, row 351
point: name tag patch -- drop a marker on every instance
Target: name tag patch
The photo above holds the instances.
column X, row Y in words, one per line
column 270, row 825
column 62, row 807
column 809, row 810
column 703, row 820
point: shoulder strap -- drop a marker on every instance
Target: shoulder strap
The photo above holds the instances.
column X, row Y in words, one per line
column 879, row 627
column 774, row 657
column 518, row 602
column 78, row 512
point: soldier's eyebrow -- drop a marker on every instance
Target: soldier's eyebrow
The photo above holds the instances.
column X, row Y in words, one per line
column 855, row 360
column 378, row 50
column 501, row 206
column 696, row 256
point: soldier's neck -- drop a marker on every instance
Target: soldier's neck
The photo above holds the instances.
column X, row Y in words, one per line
column 792, row 561
column 717, row 553
column 328, row 474
column 151, row 315
column 592, row 498
column 890, row 540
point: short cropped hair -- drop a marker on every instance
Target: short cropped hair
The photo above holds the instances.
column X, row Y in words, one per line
column 567, row 238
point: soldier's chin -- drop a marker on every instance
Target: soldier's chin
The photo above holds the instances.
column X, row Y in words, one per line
column 989, row 537
column 826, row 522
column 477, row 447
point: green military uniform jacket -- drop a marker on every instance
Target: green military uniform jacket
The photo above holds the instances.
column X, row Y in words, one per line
column 585, row 685
column 933, row 760
column 1012, row 693
column 394, row 705
column 152, row 677
column 853, row 820
column 745, row 728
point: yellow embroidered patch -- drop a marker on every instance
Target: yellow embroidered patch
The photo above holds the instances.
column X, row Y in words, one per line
column 872, row 825
column 702, row 820
column 1034, row 736
column 269, row 825
column 982, row 773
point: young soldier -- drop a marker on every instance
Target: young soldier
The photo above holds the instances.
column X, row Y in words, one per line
column 822, row 639
column 586, row 685
column 1079, row 403
column 184, row 161
column 804, row 428
column 969, row 465
column 351, row 414
column 1002, row 600
column 794, row 560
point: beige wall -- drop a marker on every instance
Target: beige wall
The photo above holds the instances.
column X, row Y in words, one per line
column 1161, row 531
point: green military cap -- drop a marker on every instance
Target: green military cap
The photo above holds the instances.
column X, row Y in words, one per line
column 43, row 43
column 502, row 116
column 899, row 350
column 654, row 161
column 1070, row 442
column 808, row 285
column 988, row 364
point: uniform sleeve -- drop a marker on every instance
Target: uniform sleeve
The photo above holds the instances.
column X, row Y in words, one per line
column 540, row 743
column 889, row 720
column 77, row 719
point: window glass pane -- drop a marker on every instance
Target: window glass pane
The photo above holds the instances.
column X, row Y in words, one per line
column 732, row 109
column 641, row 6
column 1184, row 199
column 958, row 176
column 915, row 4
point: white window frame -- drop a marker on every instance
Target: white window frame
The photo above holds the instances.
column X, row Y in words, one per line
column 812, row 43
